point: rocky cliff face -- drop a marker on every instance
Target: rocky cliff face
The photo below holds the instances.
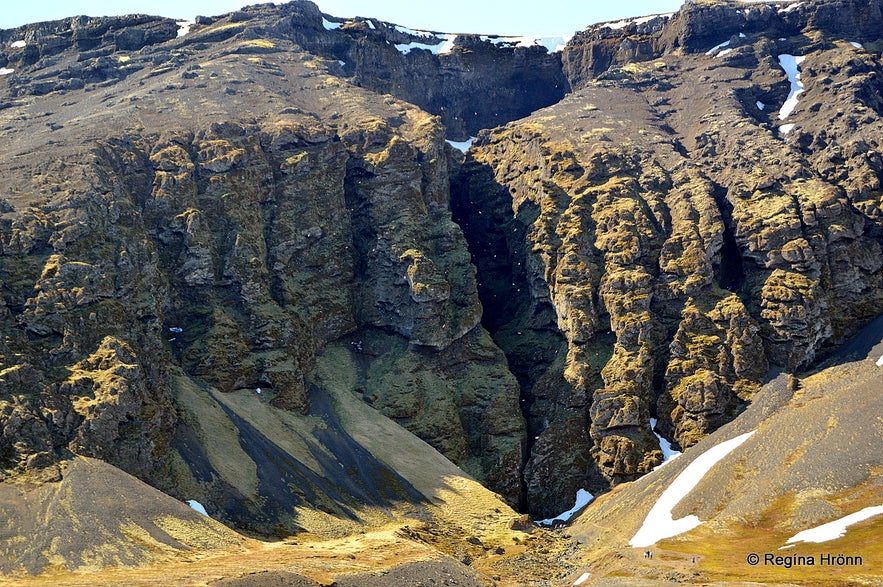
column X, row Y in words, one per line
column 192, row 224
column 220, row 206
column 668, row 205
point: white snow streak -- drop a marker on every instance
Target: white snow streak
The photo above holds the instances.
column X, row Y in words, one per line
column 722, row 53
column 582, row 579
column 552, row 44
column 760, row 105
column 184, row 26
column 659, row 524
column 5, row 71
column 439, row 47
column 619, row 24
column 856, row 44
column 330, row 26
column 786, row 128
column 197, row 506
column 583, row 498
column 837, row 528
column 880, row 361
column 790, row 7
column 789, row 63
column 643, row 19
column 665, row 446
column 716, row 47
column 18, row 44
column 462, row 146
column 413, row 32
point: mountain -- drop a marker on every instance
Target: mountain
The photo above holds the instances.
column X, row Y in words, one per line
column 245, row 263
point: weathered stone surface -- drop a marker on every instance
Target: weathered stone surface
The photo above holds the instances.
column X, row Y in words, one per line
column 660, row 205
column 236, row 210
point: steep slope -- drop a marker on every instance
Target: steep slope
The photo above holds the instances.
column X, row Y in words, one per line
column 813, row 456
column 92, row 515
column 648, row 246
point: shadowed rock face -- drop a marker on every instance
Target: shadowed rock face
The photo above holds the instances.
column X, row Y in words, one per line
column 222, row 207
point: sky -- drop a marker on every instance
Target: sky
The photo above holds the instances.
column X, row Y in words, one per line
column 502, row 17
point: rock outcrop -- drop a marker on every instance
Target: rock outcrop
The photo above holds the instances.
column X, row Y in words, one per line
column 677, row 235
column 236, row 210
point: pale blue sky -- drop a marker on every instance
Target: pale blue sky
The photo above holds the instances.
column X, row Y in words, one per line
column 543, row 17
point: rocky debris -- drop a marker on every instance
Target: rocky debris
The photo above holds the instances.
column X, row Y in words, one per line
column 266, row 578
column 522, row 523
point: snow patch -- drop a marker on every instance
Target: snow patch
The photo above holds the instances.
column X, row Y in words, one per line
column 197, row 506
column 760, row 105
column 665, row 446
column 880, row 361
column 552, row 44
column 651, row 17
column 837, row 528
column 582, row 579
column 716, row 47
column 5, row 71
column 789, row 63
column 659, row 524
column 722, row 53
column 741, row 35
column 371, row 25
column 439, row 47
column 342, row 63
column 583, row 498
column 176, row 329
column 462, row 146
column 786, row 128
column 790, row 7
column 17, row 44
column 856, row 45
column 330, row 26
column 412, row 32
column 184, row 26
column 619, row 24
